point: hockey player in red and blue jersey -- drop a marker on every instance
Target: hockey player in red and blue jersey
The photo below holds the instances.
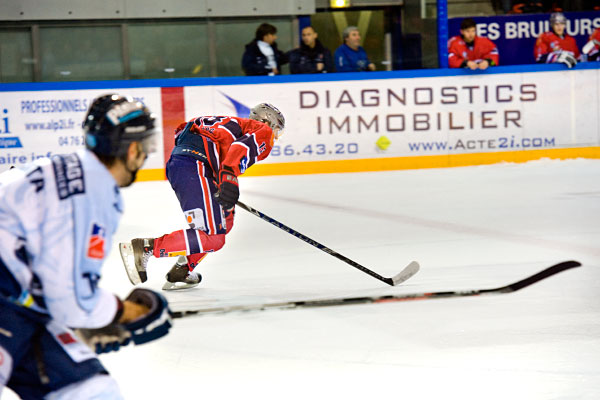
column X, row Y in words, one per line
column 592, row 47
column 471, row 51
column 209, row 154
column 556, row 46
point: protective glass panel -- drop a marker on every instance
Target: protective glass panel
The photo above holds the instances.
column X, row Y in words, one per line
column 168, row 50
column 419, row 29
column 16, row 60
column 81, row 53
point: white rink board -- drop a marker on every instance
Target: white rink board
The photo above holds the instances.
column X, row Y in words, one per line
column 452, row 115
column 343, row 119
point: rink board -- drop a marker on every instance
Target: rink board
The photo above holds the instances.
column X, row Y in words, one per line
column 342, row 122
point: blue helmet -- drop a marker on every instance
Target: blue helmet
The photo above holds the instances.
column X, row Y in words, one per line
column 113, row 122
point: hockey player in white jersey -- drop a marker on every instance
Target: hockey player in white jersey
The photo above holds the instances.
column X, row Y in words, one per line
column 57, row 218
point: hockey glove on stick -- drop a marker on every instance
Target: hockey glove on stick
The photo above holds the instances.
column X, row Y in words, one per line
column 104, row 340
column 155, row 323
column 589, row 46
column 566, row 58
column 152, row 325
column 229, row 191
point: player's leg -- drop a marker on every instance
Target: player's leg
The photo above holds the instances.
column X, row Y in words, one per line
column 16, row 333
column 100, row 386
column 182, row 274
column 39, row 357
column 58, row 365
column 6, row 364
column 187, row 243
column 207, row 227
column 194, row 186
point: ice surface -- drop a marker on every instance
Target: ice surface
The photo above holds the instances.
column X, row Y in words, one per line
column 471, row 227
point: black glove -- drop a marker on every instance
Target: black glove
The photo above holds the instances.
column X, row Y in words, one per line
column 104, row 340
column 150, row 326
column 229, row 191
column 155, row 323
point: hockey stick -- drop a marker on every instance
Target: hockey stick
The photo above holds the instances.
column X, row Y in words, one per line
column 403, row 275
column 513, row 287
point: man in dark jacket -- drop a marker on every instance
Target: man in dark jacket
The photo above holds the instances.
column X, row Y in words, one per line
column 261, row 56
column 311, row 57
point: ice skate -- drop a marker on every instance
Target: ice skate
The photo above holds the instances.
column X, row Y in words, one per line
column 141, row 250
column 180, row 276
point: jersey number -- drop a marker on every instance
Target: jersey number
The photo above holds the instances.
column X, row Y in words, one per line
column 210, row 121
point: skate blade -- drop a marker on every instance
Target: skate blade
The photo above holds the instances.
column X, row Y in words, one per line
column 127, row 256
column 178, row 285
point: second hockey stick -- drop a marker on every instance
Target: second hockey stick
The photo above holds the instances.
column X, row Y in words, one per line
column 342, row 301
column 403, row 275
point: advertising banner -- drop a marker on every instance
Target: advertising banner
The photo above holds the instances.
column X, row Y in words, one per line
column 515, row 35
column 399, row 121
column 35, row 124
column 361, row 119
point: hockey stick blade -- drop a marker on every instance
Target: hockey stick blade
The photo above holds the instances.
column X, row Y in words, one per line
column 513, row 287
column 405, row 274
column 555, row 269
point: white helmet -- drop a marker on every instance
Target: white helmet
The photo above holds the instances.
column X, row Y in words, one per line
column 557, row 18
column 270, row 115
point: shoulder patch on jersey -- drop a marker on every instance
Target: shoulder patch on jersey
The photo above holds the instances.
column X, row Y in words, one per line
column 243, row 164
column 95, row 248
column 262, row 148
column 69, row 175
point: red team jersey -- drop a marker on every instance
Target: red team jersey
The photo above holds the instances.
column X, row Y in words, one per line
column 550, row 42
column 595, row 38
column 203, row 147
column 482, row 49
column 237, row 142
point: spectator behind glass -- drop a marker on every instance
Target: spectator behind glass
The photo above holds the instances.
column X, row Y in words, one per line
column 471, row 51
column 311, row 57
column 261, row 56
column 350, row 56
column 555, row 46
column 592, row 47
